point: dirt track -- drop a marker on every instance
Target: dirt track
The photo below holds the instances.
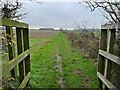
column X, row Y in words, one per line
column 60, row 70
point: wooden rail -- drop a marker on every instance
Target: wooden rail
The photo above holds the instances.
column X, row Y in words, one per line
column 106, row 57
column 7, row 67
column 105, row 81
column 111, row 26
column 12, row 23
column 110, row 56
column 23, row 56
column 24, row 82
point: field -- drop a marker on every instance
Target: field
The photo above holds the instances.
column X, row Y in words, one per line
column 55, row 63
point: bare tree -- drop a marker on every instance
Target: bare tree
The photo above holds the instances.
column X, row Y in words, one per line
column 83, row 27
column 110, row 10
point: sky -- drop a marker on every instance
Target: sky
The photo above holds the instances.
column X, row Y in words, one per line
column 60, row 15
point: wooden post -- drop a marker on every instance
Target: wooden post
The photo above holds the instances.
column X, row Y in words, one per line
column 118, row 56
column 11, row 52
column 20, row 50
column 119, row 43
column 110, row 45
column 101, row 61
column 26, row 47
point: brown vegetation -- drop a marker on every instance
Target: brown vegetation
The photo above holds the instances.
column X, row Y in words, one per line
column 41, row 33
column 86, row 42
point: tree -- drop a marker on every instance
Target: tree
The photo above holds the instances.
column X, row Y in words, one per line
column 110, row 10
column 11, row 9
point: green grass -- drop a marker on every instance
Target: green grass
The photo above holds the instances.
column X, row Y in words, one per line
column 77, row 71
column 34, row 41
column 42, row 65
column 96, row 34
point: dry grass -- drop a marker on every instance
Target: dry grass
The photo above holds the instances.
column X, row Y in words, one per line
column 41, row 33
column 86, row 43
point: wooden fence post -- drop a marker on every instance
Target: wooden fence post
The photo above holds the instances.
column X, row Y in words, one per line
column 11, row 48
column 20, row 50
column 101, row 61
column 118, row 56
column 26, row 47
column 110, row 45
column 119, row 43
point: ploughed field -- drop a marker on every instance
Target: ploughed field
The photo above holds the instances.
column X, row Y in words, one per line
column 55, row 63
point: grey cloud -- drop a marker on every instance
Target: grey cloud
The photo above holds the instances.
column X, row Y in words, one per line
column 59, row 15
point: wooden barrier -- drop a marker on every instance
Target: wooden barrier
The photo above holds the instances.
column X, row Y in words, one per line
column 23, row 56
column 106, row 57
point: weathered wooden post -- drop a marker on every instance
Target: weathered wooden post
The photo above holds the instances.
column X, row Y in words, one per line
column 26, row 47
column 10, row 42
column 20, row 50
column 101, row 61
column 110, row 45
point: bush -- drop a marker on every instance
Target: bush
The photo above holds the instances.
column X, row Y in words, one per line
column 86, row 42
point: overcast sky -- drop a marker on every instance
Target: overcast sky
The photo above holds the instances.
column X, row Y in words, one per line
column 60, row 14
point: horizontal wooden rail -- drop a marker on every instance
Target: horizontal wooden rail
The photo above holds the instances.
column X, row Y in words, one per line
column 11, row 64
column 24, row 82
column 106, row 82
column 111, row 26
column 12, row 23
column 109, row 56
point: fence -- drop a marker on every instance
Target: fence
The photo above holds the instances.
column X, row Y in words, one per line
column 106, row 57
column 23, row 56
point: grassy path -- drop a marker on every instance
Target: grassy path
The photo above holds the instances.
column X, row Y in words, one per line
column 76, row 71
